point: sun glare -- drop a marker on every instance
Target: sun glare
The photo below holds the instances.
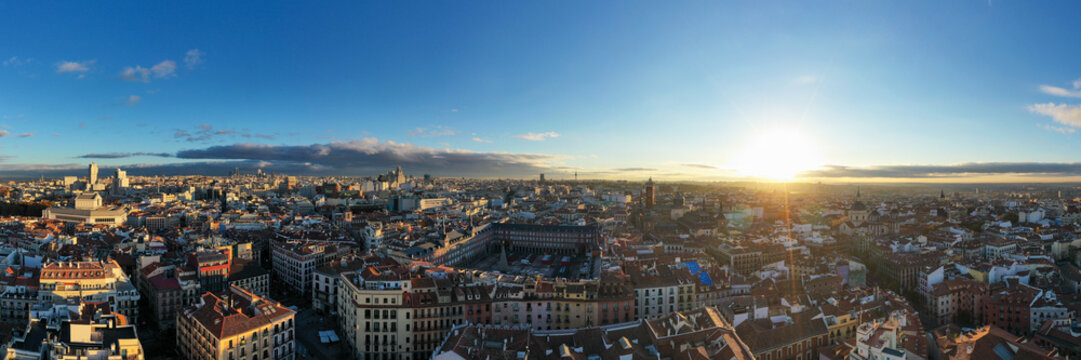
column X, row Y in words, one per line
column 777, row 155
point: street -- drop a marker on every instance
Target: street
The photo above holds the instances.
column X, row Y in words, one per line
column 309, row 324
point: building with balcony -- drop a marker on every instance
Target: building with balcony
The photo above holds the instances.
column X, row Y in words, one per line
column 236, row 325
column 325, row 282
column 294, row 262
column 75, row 332
column 696, row 334
column 89, row 281
column 247, row 274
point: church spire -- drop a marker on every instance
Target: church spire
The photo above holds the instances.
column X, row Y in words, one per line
column 857, row 191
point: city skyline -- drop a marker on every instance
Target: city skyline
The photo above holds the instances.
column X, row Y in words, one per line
column 447, row 180
column 836, row 92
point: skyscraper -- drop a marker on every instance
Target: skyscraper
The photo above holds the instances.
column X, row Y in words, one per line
column 399, row 176
column 287, row 184
column 394, row 178
column 648, row 193
column 93, row 177
column 120, row 180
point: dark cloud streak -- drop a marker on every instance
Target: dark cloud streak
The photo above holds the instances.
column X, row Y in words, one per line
column 363, row 157
column 122, row 155
column 955, row 170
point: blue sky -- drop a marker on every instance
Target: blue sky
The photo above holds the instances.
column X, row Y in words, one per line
column 613, row 89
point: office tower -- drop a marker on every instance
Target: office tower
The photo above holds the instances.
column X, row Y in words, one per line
column 287, row 185
column 648, row 193
column 399, row 175
column 92, row 178
column 120, row 180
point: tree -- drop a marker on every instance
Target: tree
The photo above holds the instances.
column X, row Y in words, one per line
column 23, row 208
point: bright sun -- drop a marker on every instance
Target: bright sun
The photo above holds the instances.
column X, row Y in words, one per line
column 777, row 155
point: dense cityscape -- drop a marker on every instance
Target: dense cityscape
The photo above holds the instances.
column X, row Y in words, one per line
column 409, row 266
column 540, row 180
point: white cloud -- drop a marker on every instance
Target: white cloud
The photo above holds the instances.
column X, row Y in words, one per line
column 538, row 136
column 73, row 66
column 435, row 132
column 1058, row 129
column 26, row 135
column 4, row 133
column 17, row 61
column 132, row 100
column 480, row 140
column 164, row 69
column 1057, row 91
column 193, row 57
column 1064, row 114
column 137, row 73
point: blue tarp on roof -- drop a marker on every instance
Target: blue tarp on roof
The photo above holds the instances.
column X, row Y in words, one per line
column 696, row 270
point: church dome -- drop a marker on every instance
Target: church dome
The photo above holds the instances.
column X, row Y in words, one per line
column 858, row 206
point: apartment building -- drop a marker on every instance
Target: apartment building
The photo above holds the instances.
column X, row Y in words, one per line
column 294, row 262
column 325, row 282
column 90, row 281
column 249, row 275
column 236, row 325
column 373, row 322
column 661, row 290
column 76, row 332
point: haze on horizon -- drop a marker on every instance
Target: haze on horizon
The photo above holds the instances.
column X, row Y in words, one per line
column 843, row 91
